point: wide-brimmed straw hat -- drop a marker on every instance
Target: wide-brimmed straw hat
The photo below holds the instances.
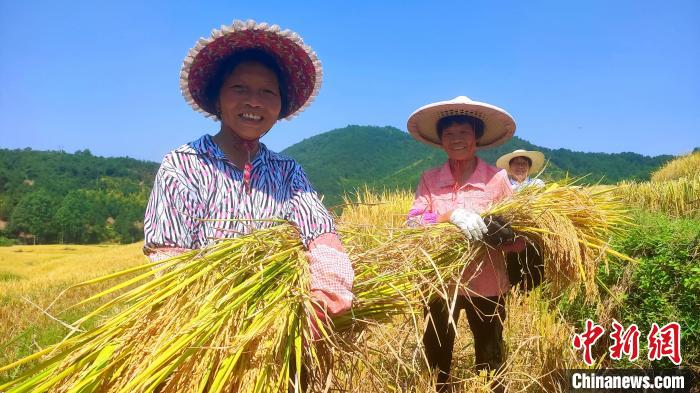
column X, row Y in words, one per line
column 499, row 126
column 297, row 61
column 536, row 157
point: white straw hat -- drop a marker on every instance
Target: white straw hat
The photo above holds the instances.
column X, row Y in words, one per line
column 499, row 126
column 536, row 157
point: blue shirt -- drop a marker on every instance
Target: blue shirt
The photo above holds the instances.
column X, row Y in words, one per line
column 517, row 186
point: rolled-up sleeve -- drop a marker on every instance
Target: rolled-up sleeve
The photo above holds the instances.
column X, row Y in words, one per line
column 332, row 274
column 421, row 211
column 306, row 211
column 170, row 226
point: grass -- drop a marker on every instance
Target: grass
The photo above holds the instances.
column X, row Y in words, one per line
column 665, row 286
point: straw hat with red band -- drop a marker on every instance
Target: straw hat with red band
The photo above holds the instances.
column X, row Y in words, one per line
column 499, row 126
column 297, row 61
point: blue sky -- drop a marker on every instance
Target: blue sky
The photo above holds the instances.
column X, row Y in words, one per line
column 605, row 76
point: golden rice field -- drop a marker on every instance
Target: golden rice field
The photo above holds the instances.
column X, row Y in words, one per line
column 677, row 198
column 32, row 277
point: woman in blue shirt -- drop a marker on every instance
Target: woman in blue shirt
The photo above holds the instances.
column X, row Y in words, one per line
column 525, row 268
column 520, row 164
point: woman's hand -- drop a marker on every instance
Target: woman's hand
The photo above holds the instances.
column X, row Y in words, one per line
column 499, row 231
column 471, row 224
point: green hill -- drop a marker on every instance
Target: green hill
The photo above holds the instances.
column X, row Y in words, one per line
column 349, row 157
column 343, row 159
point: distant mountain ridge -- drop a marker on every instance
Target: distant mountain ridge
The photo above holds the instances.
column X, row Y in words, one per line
column 341, row 160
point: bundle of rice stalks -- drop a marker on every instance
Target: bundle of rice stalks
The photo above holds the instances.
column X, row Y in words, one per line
column 232, row 317
column 393, row 283
column 570, row 226
column 687, row 166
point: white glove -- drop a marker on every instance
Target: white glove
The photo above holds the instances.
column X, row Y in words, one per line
column 470, row 223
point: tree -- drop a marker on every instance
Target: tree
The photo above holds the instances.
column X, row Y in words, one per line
column 83, row 217
column 34, row 215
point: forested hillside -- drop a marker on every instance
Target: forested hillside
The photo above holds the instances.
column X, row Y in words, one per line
column 51, row 196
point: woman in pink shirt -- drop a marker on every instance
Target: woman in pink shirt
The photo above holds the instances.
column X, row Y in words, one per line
column 457, row 192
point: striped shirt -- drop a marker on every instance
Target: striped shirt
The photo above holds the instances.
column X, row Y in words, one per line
column 196, row 181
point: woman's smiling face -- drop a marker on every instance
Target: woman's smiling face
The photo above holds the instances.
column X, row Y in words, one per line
column 459, row 141
column 519, row 168
column 249, row 100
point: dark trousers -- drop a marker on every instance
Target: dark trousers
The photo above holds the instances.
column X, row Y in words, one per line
column 485, row 316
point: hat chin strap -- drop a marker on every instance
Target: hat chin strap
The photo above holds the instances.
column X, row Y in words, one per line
column 459, row 167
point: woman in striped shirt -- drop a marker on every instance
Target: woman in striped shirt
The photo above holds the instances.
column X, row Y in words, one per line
column 247, row 76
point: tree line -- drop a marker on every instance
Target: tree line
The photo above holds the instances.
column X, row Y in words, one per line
column 340, row 160
column 57, row 197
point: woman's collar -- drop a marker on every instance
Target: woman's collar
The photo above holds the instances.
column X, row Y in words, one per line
column 477, row 178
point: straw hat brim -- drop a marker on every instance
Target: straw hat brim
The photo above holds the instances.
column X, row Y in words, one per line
column 298, row 62
column 499, row 125
column 536, row 157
